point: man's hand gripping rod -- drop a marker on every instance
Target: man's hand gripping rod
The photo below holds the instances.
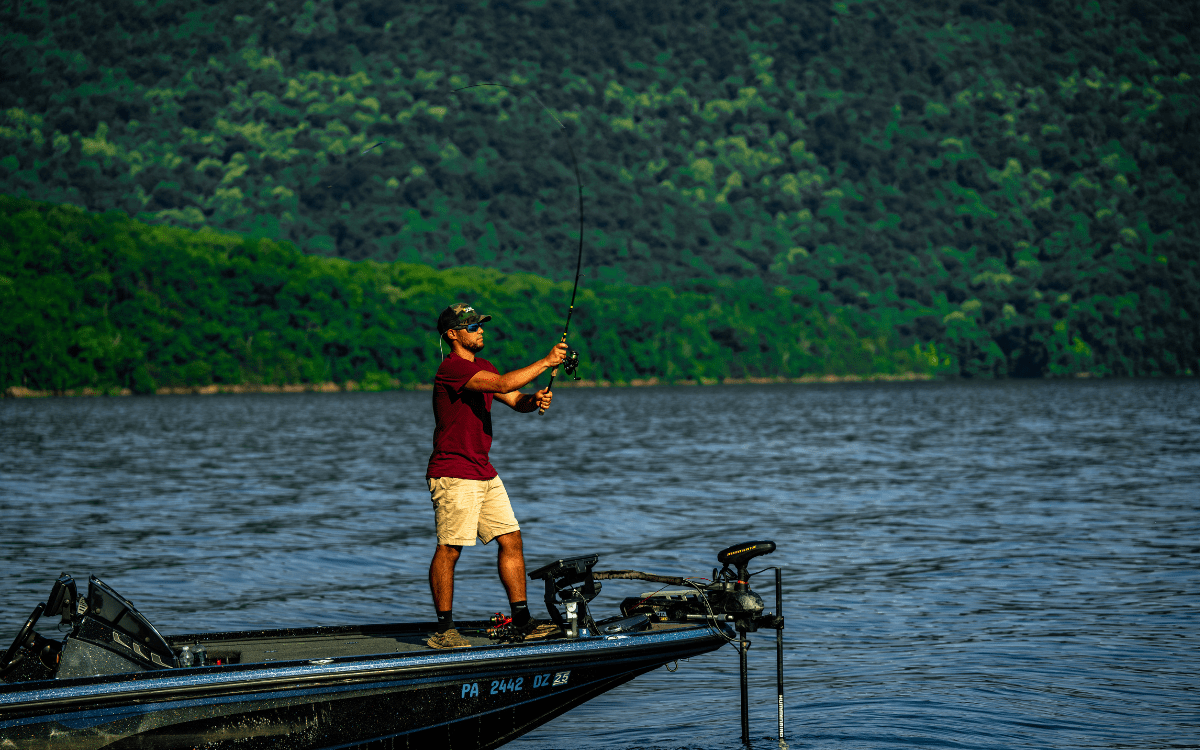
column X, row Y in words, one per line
column 569, row 363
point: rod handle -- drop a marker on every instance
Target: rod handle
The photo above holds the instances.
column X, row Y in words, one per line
column 553, row 373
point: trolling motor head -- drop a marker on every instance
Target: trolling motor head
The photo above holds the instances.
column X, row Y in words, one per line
column 732, row 595
column 740, row 555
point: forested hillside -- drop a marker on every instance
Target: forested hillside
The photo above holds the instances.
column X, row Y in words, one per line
column 1016, row 182
column 108, row 303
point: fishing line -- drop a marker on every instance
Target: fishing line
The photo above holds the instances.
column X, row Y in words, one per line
column 572, row 361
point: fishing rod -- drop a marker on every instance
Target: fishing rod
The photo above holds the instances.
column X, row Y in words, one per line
column 571, row 362
column 348, row 167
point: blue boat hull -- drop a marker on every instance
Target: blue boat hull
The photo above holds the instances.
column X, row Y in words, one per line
column 476, row 698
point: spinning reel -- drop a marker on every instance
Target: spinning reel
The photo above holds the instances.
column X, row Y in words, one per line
column 571, row 363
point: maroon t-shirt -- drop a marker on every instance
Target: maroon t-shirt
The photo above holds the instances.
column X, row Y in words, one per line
column 463, row 434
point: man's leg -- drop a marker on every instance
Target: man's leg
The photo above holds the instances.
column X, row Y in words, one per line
column 498, row 522
column 441, row 585
column 441, row 576
column 510, row 561
column 456, row 505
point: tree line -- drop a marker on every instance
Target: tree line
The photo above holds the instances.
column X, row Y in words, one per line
column 1014, row 182
column 105, row 302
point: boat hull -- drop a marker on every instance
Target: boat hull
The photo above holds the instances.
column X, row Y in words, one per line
column 466, row 698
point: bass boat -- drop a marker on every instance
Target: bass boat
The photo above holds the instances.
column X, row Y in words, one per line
column 115, row 682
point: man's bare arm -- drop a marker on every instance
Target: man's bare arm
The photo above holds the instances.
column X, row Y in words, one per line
column 490, row 382
column 526, row 402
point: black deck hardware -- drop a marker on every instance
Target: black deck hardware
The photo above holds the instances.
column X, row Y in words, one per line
column 570, row 581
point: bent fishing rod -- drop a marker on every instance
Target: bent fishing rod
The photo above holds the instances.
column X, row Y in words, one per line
column 362, row 153
column 571, row 362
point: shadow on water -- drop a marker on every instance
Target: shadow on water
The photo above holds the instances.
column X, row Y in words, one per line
column 967, row 565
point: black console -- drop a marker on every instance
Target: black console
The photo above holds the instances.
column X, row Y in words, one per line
column 111, row 636
column 108, row 636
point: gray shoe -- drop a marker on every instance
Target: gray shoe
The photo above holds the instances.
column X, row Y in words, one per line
column 539, row 630
column 450, row 639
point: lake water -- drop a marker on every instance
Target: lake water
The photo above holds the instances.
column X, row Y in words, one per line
column 967, row 565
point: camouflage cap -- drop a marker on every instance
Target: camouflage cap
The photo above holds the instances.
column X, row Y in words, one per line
column 459, row 315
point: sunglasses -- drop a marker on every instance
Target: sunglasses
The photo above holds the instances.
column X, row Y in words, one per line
column 472, row 328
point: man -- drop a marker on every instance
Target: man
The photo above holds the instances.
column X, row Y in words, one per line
column 468, row 497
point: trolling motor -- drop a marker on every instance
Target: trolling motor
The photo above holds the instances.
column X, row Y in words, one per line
column 724, row 601
column 727, row 599
column 730, row 592
column 738, row 597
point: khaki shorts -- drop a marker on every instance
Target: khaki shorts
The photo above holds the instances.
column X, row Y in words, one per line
column 470, row 508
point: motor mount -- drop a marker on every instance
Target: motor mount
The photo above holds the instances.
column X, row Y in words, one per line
column 727, row 597
column 570, row 581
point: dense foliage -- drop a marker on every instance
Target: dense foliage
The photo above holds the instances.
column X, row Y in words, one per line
column 1015, row 181
column 105, row 302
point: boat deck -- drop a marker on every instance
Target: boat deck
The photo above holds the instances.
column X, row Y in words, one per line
column 320, row 643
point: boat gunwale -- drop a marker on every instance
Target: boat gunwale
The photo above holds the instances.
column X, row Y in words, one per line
column 166, row 685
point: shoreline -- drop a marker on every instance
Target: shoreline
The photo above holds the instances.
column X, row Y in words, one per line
column 395, row 385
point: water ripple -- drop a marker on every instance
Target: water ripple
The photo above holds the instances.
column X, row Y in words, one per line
column 996, row 565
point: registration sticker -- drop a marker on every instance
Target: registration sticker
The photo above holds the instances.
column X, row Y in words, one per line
column 560, row 678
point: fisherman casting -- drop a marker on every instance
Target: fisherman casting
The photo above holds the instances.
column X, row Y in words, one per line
column 469, row 500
